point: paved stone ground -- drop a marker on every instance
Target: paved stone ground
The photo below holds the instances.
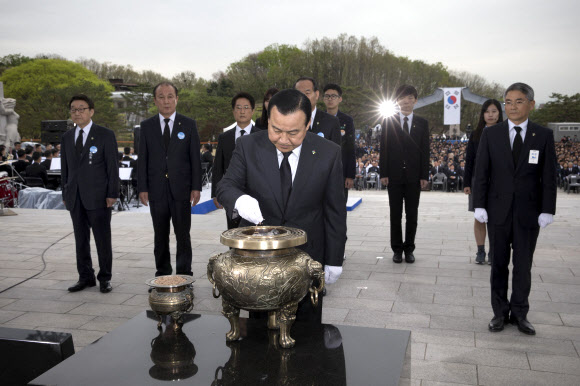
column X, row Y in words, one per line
column 443, row 298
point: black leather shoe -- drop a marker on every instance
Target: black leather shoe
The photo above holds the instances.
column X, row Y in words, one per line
column 523, row 325
column 106, row 286
column 409, row 258
column 497, row 323
column 81, row 285
column 398, row 258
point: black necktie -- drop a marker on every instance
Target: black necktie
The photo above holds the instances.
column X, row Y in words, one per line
column 166, row 134
column 79, row 143
column 517, row 147
column 242, row 133
column 285, row 178
column 406, row 125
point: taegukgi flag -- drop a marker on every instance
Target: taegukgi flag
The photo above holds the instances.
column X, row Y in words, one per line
column 452, row 106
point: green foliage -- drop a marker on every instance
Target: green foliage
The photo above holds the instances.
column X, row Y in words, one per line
column 12, row 60
column 564, row 109
column 43, row 87
column 211, row 112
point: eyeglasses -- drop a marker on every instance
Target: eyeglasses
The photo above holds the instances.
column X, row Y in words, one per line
column 81, row 110
column 243, row 107
column 331, row 96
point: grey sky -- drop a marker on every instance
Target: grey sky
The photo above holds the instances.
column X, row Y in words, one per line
column 537, row 42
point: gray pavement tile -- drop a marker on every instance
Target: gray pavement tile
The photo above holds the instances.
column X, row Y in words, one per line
column 114, row 310
column 7, row 316
column 486, row 313
column 5, row 301
column 403, row 278
column 437, row 336
column 337, row 315
column 9, row 264
column 358, row 303
column 18, row 273
column 417, row 351
column 565, row 297
column 358, row 275
column 93, row 295
column 416, row 270
column 452, row 299
column 515, row 377
column 472, row 282
column 32, row 293
column 139, row 300
column 524, row 343
column 436, row 288
column 50, row 319
column 130, row 288
column 443, row 371
column 477, row 356
column 39, row 283
column 52, row 306
column 103, row 323
column 572, row 320
column 555, row 307
column 214, row 305
column 432, row 309
column 554, row 363
column 371, row 317
column 431, row 383
column 560, row 279
column 557, row 332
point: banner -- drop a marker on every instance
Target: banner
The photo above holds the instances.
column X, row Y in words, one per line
column 452, row 106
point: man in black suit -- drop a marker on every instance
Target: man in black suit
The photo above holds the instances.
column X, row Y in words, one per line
column 404, row 165
column 90, row 187
column 515, row 185
column 332, row 96
column 36, row 169
column 169, row 177
column 17, row 146
column 243, row 105
column 206, row 155
column 22, row 163
column 292, row 177
column 47, row 159
column 321, row 123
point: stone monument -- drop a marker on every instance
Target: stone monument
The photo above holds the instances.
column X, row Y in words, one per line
column 8, row 120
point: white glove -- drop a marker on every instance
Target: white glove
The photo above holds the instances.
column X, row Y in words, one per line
column 545, row 219
column 249, row 209
column 331, row 273
column 480, row 215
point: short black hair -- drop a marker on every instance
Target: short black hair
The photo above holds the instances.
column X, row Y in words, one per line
column 207, row 146
column 16, row 143
column 245, row 95
column 48, row 153
column 405, row 90
column 82, row 97
column 28, row 149
column 20, row 153
column 314, row 85
column 165, row 84
column 36, row 156
column 54, row 151
column 333, row 86
column 521, row 87
column 289, row 101
column 127, row 150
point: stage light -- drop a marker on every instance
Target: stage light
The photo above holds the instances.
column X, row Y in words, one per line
column 388, row 108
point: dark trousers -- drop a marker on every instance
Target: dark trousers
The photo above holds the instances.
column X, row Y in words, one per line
column 523, row 243
column 409, row 194
column 100, row 221
column 164, row 211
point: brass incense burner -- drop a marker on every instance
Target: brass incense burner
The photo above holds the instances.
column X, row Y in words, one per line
column 264, row 272
column 171, row 295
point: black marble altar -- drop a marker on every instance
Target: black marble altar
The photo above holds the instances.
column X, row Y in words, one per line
column 136, row 353
column 25, row 354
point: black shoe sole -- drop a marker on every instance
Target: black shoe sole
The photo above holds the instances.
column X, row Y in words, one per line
column 495, row 329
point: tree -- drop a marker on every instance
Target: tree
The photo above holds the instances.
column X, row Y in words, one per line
column 43, row 87
column 211, row 112
column 12, row 60
column 564, row 109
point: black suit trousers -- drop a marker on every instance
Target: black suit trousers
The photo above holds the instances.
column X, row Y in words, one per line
column 523, row 243
column 100, row 221
column 163, row 212
column 407, row 193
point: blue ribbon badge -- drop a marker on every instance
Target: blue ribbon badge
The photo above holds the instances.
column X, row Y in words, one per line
column 180, row 135
column 321, row 134
column 93, row 149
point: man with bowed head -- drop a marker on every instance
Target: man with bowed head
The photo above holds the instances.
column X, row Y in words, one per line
column 515, row 192
column 169, row 177
column 289, row 176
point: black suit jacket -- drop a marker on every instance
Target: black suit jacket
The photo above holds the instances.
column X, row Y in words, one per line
column 328, row 125
column 37, row 170
column 316, row 203
column 399, row 148
column 527, row 189
column 47, row 163
column 223, row 155
column 347, row 145
column 181, row 164
column 94, row 174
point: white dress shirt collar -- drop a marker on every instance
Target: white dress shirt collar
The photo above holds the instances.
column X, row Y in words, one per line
column 292, row 159
column 171, row 122
column 312, row 118
column 239, row 129
column 86, row 130
column 512, row 132
column 402, row 119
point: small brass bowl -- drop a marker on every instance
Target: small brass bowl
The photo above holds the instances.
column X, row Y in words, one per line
column 174, row 300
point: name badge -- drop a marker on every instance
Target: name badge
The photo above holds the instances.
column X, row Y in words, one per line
column 180, row 135
column 321, row 134
column 93, row 149
column 534, row 156
column 342, row 132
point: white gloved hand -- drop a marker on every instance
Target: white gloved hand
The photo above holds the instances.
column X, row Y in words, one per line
column 331, row 273
column 545, row 219
column 480, row 215
column 249, row 209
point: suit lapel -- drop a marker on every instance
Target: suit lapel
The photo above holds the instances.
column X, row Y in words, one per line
column 530, row 134
column 505, row 143
column 269, row 160
column 157, row 133
column 89, row 142
column 316, row 122
column 307, row 158
column 177, row 128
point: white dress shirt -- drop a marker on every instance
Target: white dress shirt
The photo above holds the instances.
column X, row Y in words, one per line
column 312, row 117
column 513, row 132
column 239, row 129
column 86, row 130
column 171, row 122
column 409, row 122
column 292, row 160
